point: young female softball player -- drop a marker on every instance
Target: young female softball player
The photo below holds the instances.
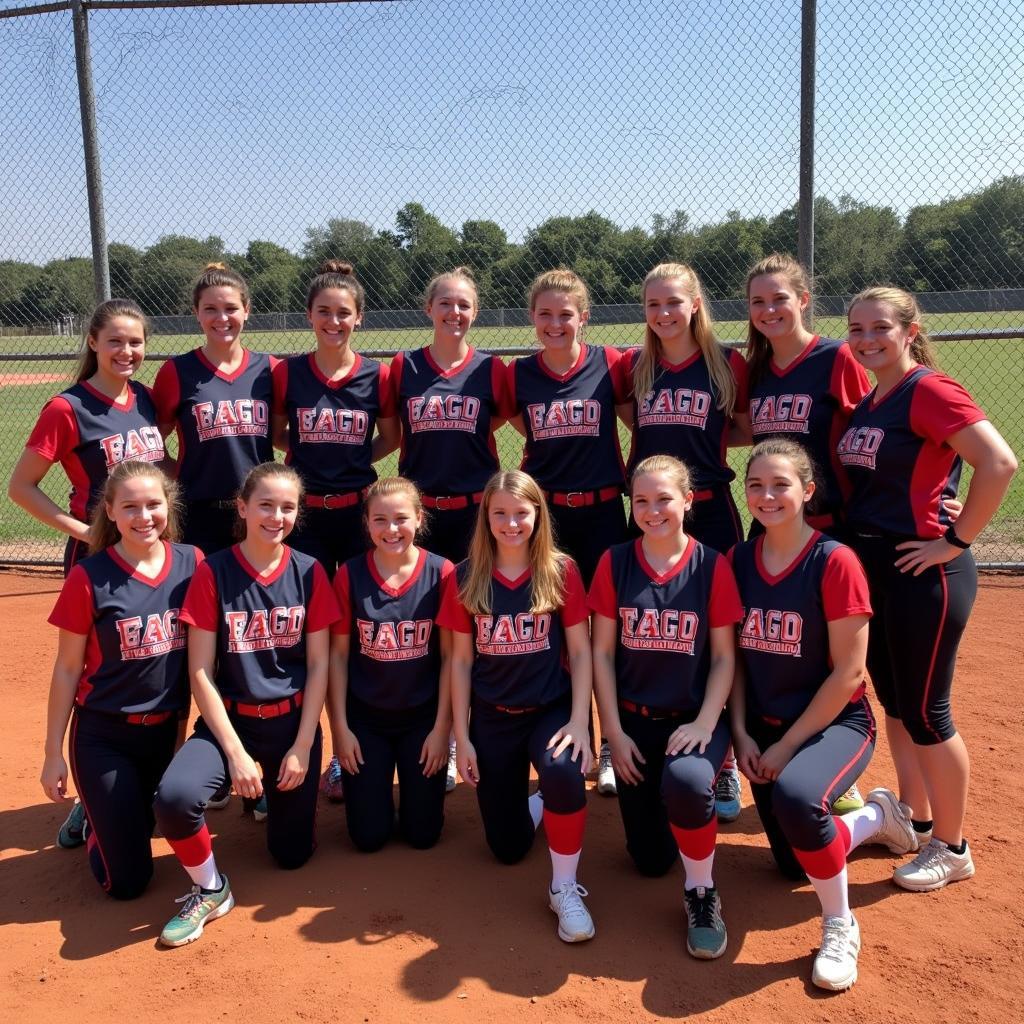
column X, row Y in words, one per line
column 687, row 392
column 389, row 694
column 802, row 386
column 521, row 686
column 103, row 419
column 801, row 722
column 219, row 398
column 903, row 450
column 121, row 674
column 664, row 649
column 327, row 404
column 259, row 614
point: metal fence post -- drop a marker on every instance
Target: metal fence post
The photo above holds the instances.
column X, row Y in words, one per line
column 91, row 146
column 805, row 220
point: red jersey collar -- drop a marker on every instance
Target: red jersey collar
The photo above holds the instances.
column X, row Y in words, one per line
column 235, row 374
column 455, row 369
column 657, row 577
column 236, row 550
column 334, row 385
column 421, row 560
column 763, row 572
column 133, row 572
column 572, row 371
column 782, row 372
column 115, row 405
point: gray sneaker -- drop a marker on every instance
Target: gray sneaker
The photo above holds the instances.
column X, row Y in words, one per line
column 706, row 936
column 934, row 867
column 896, row 832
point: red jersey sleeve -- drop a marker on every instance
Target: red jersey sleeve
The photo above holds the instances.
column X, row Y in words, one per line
column 499, row 387
column 74, row 610
column 844, row 586
column 741, row 374
column 725, row 607
column 619, row 371
column 849, row 383
column 940, row 407
column 602, row 598
column 202, row 603
column 574, row 604
column 56, row 431
column 510, row 390
column 322, row 610
column 388, row 404
column 167, row 393
column 453, row 614
column 342, row 594
column 279, row 384
column 395, row 379
column 628, row 363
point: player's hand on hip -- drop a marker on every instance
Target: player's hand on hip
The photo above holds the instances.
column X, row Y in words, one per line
column 245, row 776
column 923, row 554
column 626, row 758
column 434, row 754
column 54, row 777
column 294, row 766
column 465, row 757
column 576, row 735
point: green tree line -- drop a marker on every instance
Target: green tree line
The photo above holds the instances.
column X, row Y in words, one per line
column 975, row 241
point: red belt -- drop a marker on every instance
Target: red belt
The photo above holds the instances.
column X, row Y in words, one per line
column 703, row 495
column 149, row 717
column 648, row 712
column 453, row 501
column 506, row 710
column 333, row 500
column 579, row 499
column 272, row 710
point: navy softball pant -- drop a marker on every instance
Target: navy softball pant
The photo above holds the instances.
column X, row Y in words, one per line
column 116, row 767
column 200, row 769
column 678, row 790
column 796, row 809
column 390, row 740
column 914, row 635
column 506, row 745
column 210, row 525
column 449, row 531
column 331, row 535
column 588, row 531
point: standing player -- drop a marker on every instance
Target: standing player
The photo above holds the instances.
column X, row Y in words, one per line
column 258, row 650
column 218, row 398
column 105, row 418
column 389, row 696
column 521, row 687
column 121, row 674
column 801, row 722
column 327, row 405
column 903, row 452
column 664, row 650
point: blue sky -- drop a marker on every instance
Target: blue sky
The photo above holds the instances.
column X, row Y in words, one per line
column 259, row 122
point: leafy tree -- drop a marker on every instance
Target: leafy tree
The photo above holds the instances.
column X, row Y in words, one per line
column 168, row 269
column 64, row 288
column 123, row 261
column 15, row 280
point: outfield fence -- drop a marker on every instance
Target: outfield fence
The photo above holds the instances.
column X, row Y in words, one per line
column 141, row 139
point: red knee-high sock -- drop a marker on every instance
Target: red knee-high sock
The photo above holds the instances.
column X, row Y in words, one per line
column 196, row 856
column 697, row 850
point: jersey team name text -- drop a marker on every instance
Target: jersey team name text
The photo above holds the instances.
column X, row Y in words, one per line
column 231, row 418
column 443, row 412
column 684, row 406
column 859, row 446
column 394, row 641
column 772, row 631
column 574, row 417
column 513, row 634
column 157, row 634
column 648, row 629
column 261, row 630
column 142, row 445
column 781, row 414
column 332, row 426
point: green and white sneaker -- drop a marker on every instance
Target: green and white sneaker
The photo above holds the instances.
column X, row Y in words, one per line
column 851, row 800
column 187, row 925
column 706, row 937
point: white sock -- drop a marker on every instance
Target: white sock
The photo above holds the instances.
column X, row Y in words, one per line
column 563, row 868
column 698, row 872
column 863, row 823
column 536, row 805
column 205, row 875
column 833, row 894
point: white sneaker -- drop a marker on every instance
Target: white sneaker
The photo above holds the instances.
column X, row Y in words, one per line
column 934, row 867
column 453, row 769
column 835, row 966
column 574, row 921
column 896, row 833
column 606, row 785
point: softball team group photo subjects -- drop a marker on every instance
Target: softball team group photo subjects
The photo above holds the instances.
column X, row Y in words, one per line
column 461, row 619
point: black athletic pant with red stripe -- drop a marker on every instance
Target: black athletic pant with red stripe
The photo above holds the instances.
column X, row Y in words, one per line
column 914, row 635
column 116, row 767
column 390, row 740
column 796, row 809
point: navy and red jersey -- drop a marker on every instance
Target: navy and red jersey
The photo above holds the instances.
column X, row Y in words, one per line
column 261, row 622
column 448, row 420
column 520, row 657
column 663, row 646
column 394, row 659
column 572, row 437
column 679, row 416
column 810, row 402
column 895, row 454
column 89, row 434
column 783, row 638
column 331, row 422
column 136, row 657
column 223, row 420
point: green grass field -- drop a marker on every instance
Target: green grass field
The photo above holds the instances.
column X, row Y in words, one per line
column 990, row 370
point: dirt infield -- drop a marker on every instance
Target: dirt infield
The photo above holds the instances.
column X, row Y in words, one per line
column 448, row 935
column 14, row 379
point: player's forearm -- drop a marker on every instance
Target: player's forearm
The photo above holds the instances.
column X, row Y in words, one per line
column 719, row 686
column 337, row 692
column 460, row 682
column 833, row 695
column 604, row 691
column 984, row 496
column 40, row 506
column 63, row 684
column 443, row 721
column 738, row 703
column 211, row 707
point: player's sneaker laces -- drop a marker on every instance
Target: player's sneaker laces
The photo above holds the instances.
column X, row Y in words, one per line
column 727, row 794
column 73, row 832
column 706, row 936
column 606, row 784
column 851, row 800
column 330, row 782
column 452, row 774
column 935, row 865
column 896, row 831
column 574, row 921
column 835, row 966
column 199, row 907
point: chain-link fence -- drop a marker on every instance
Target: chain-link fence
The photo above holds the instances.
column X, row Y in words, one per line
column 512, row 136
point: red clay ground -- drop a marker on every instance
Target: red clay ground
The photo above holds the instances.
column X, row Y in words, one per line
column 448, row 935
column 13, row 379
